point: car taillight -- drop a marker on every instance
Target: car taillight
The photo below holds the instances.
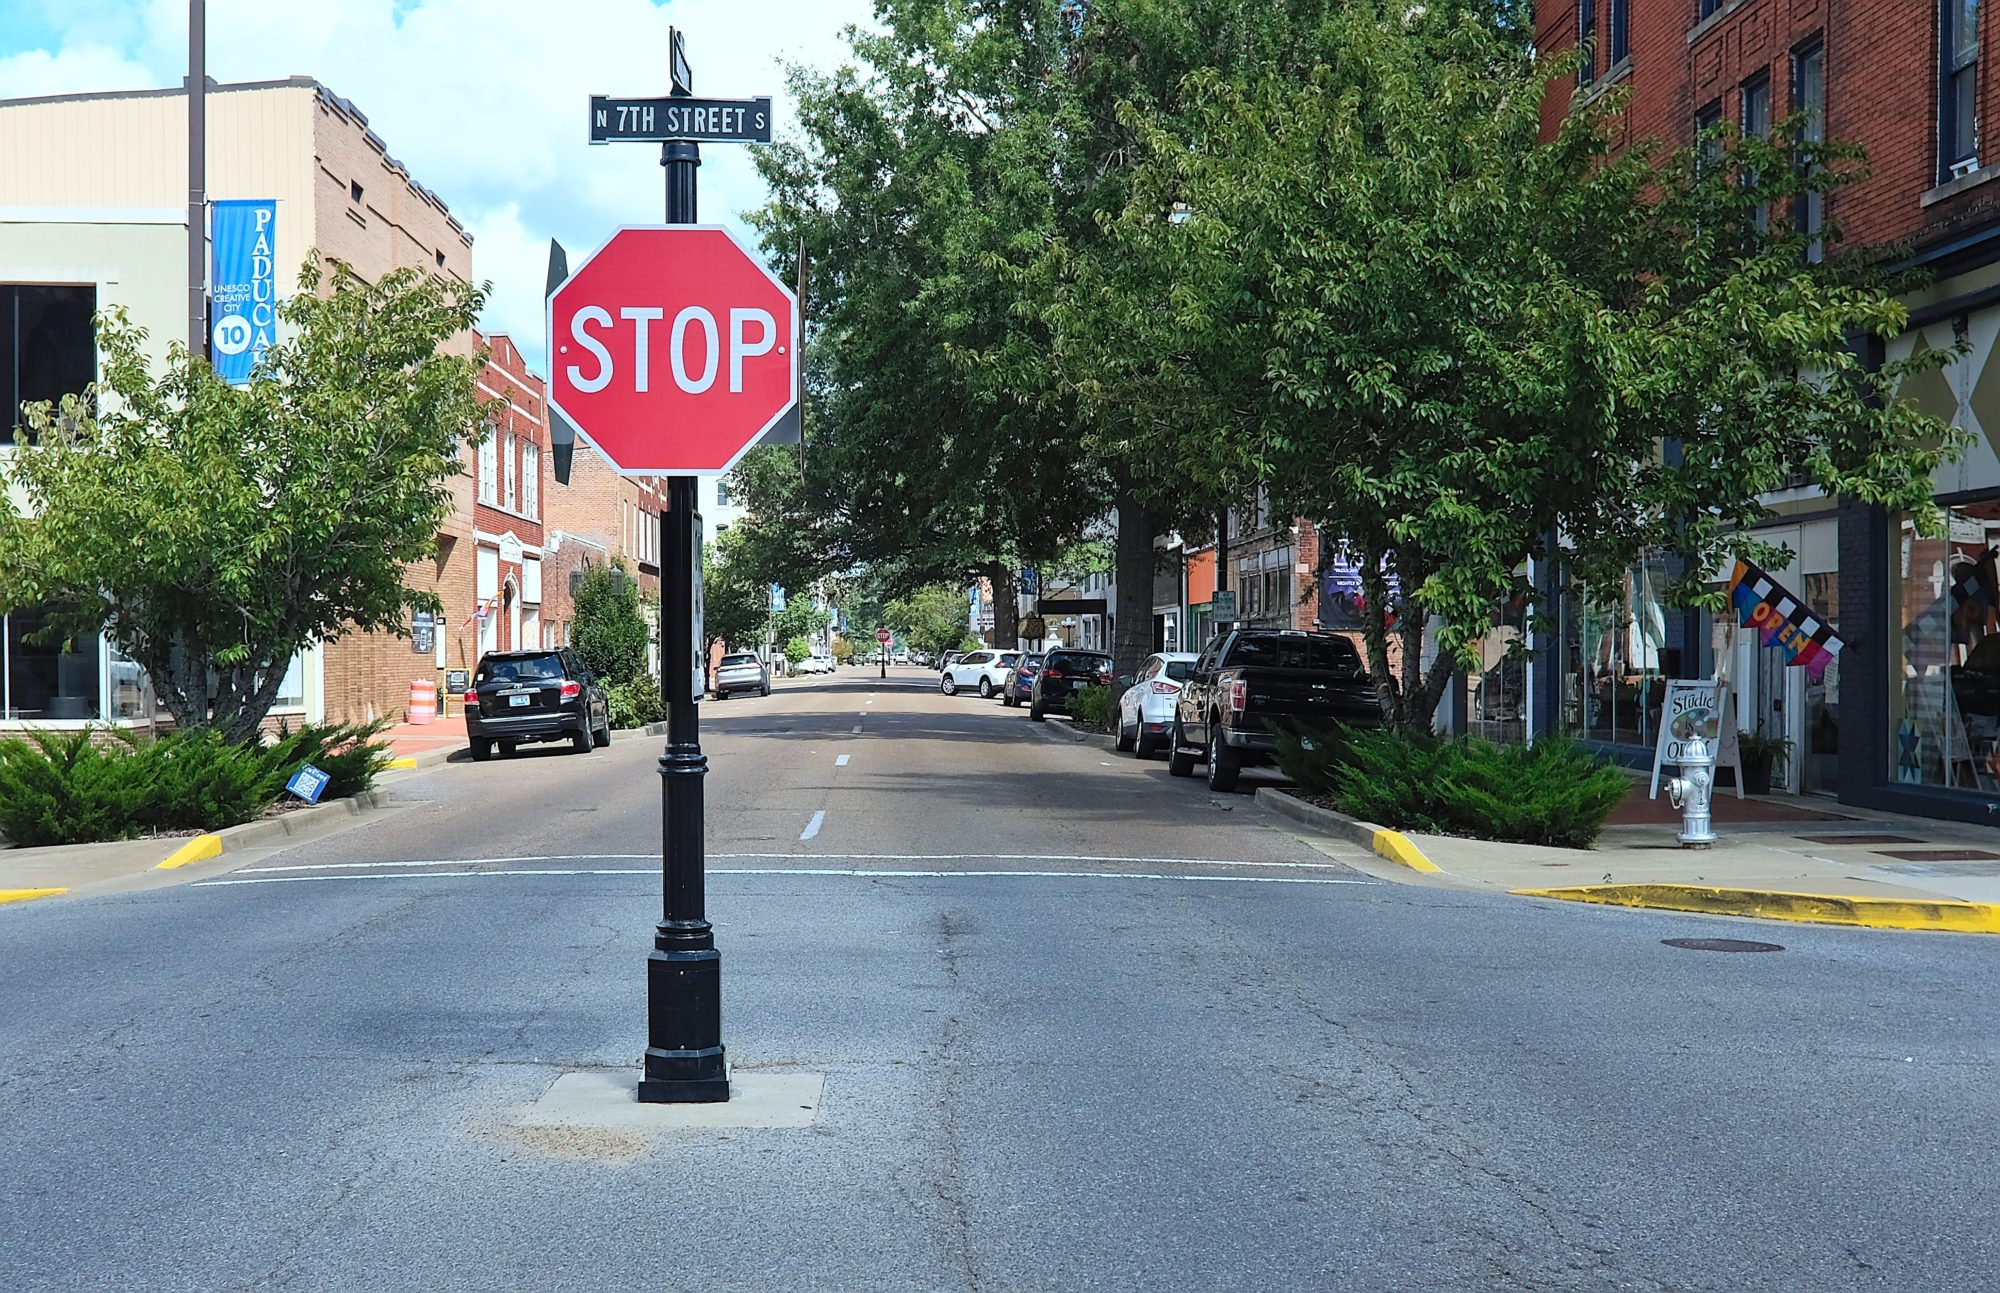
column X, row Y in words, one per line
column 571, row 690
column 1052, row 673
column 471, row 695
column 1239, row 696
column 1165, row 688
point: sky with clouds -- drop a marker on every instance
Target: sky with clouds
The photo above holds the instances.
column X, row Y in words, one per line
column 484, row 100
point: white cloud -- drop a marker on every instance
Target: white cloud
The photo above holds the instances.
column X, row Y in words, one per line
column 484, row 100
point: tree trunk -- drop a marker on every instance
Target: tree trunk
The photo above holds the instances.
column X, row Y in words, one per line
column 1132, row 631
column 1006, row 606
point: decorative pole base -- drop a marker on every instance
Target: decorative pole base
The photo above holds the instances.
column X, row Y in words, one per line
column 687, row 1063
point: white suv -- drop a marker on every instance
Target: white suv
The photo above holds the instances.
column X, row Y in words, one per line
column 986, row 670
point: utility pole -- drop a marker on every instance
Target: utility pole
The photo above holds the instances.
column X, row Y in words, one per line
column 197, row 204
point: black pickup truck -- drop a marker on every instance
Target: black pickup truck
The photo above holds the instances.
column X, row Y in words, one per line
column 1247, row 679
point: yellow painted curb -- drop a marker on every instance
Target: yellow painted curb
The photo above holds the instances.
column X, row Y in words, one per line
column 1766, row 904
column 405, row 762
column 25, row 895
column 199, row 849
column 1396, row 846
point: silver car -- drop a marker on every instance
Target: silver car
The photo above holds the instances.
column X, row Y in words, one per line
column 739, row 673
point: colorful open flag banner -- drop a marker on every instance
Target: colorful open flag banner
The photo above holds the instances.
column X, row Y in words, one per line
column 1782, row 620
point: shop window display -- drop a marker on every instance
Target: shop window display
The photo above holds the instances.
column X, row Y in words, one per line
column 1613, row 658
column 1945, row 697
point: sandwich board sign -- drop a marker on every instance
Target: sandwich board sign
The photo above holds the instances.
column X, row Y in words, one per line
column 1697, row 705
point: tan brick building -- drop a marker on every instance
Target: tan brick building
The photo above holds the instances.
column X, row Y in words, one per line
column 93, row 191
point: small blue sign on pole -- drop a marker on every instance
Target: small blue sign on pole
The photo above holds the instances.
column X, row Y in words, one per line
column 777, row 597
column 243, row 285
column 308, row 783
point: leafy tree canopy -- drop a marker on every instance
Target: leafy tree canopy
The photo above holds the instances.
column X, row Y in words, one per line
column 212, row 532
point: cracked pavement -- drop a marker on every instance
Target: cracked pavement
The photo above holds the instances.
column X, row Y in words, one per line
column 1080, row 1030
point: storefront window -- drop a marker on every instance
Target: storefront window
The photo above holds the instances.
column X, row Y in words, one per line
column 1612, row 671
column 1820, row 772
column 1945, row 694
column 131, row 691
column 47, row 679
column 1497, row 699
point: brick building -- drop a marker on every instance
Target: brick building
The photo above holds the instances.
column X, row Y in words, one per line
column 93, row 191
column 1909, row 716
column 597, row 518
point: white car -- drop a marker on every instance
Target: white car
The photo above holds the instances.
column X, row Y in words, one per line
column 1146, row 709
column 984, row 670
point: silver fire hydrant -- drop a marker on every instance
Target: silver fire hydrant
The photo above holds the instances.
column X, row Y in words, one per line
column 1690, row 792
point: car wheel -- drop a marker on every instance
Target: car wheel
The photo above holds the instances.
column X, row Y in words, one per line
column 482, row 751
column 580, row 742
column 1035, row 713
column 766, row 691
column 948, row 685
column 1142, row 745
column 602, row 736
column 986, row 689
column 1180, row 762
column 1125, row 742
column 1223, row 762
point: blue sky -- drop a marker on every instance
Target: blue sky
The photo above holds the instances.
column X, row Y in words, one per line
column 511, row 77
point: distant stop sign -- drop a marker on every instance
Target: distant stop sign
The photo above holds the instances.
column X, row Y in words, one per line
column 882, row 636
column 672, row 349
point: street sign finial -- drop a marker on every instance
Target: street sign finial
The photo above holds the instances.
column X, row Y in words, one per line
column 677, row 62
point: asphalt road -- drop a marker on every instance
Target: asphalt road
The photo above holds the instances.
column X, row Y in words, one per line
column 1083, row 1026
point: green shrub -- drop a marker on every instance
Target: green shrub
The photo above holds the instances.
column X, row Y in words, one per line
column 797, row 649
column 1091, row 707
column 198, row 781
column 66, row 788
column 61, row 788
column 347, row 752
column 1552, row 792
column 635, row 703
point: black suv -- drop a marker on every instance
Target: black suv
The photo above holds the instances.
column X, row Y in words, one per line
column 545, row 695
column 1063, row 672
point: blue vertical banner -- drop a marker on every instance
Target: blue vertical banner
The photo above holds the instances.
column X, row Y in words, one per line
column 243, row 285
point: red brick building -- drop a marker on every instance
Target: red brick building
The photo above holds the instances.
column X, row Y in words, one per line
column 1908, row 718
column 512, row 486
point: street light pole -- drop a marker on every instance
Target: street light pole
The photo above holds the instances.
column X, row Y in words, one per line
column 685, row 1062
column 197, row 177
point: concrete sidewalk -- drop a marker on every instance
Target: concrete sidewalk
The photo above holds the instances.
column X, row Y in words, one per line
column 1780, row 858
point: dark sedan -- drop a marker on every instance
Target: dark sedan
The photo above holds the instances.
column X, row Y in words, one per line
column 522, row 696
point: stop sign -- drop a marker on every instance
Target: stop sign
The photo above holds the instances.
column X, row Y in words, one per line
column 882, row 636
column 672, row 350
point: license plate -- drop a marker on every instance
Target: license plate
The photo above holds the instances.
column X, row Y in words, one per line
column 1078, row 685
column 518, row 702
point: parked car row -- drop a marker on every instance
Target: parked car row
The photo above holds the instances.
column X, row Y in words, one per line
column 1218, row 708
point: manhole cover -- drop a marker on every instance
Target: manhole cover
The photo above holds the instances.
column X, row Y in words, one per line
column 1721, row 945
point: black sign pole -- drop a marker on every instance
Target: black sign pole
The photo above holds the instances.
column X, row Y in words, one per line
column 684, row 1055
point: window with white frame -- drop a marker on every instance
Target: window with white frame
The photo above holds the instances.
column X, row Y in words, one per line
column 531, row 481
column 1958, row 76
column 489, row 469
column 507, row 466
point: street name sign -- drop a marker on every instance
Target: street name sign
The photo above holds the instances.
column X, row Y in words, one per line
column 706, row 121
column 670, row 350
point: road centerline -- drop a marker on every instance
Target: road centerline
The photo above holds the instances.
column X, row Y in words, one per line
column 812, row 827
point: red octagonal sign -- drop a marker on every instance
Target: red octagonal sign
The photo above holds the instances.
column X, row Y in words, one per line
column 672, row 350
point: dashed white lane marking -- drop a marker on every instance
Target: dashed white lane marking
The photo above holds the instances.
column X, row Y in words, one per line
column 1056, row 859
column 812, row 827
column 857, row 729
column 852, row 872
column 840, row 762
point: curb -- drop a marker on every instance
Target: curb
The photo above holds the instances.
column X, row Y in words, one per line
column 1767, row 904
column 1392, row 846
column 27, row 895
column 1071, row 731
column 249, row 834
column 199, row 849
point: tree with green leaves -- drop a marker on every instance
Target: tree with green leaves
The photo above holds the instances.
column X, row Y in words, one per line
column 212, row 532
column 736, row 598
column 608, row 630
column 1455, row 346
column 931, row 619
